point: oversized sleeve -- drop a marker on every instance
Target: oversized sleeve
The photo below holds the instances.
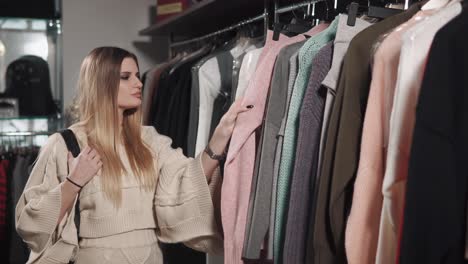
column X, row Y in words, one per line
column 38, row 208
column 187, row 206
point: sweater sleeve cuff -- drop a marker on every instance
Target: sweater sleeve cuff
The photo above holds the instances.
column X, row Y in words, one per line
column 45, row 211
column 192, row 217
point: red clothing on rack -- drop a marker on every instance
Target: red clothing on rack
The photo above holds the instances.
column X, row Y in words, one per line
column 3, row 199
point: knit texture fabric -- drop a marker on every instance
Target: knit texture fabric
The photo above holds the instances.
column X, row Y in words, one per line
column 305, row 165
column 306, row 55
column 179, row 209
column 242, row 150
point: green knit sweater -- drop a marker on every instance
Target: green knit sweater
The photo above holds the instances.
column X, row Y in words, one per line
column 306, row 55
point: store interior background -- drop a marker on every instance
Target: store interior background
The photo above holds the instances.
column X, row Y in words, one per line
column 88, row 24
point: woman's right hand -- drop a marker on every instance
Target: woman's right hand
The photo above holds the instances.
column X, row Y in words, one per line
column 84, row 167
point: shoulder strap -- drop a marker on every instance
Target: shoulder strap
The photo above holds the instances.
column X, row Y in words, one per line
column 71, row 142
column 74, row 148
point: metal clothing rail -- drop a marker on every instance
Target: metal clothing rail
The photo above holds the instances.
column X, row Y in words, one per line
column 240, row 24
column 292, row 7
column 265, row 16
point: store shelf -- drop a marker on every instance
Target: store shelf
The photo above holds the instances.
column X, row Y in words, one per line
column 205, row 17
column 26, row 133
column 26, row 124
column 24, row 118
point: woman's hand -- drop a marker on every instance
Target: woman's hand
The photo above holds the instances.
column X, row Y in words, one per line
column 221, row 136
column 84, row 167
column 223, row 131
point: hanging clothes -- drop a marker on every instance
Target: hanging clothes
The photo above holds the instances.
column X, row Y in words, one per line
column 4, row 164
column 249, row 64
column 172, row 105
column 200, row 95
column 225, row 98
column 14, row 171
column 316, row 171
column 306, row 55
column 19, row 251
column 211, row 93
column 218, row 98
column 170, row 117
column 415, row 45
column 149, row 83
column 293, row 66
column 248, row 59
column 344, row 35
column 309, row 127
column 367, row 199
column 213, row 75
column 258, row 218
column 150, row 88
column 435, row 204
column 341, row 149
column 242, row 151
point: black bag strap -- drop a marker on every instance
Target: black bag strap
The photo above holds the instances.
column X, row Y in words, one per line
column 74, row 148
column 71, row 141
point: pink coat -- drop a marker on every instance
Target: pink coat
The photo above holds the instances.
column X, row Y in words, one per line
column 242, row 150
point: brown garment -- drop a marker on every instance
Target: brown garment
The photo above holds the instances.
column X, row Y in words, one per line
column 342, row 145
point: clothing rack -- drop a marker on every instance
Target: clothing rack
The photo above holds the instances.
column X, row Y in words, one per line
column 264, row 16
column 289, row 8
column 29, row 126
column 23, row 139
column 240, row 24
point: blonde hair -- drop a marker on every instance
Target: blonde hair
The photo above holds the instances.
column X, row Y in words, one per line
column 98, row 87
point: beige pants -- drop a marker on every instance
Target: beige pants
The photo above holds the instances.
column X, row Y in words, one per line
column 139, row 255
column 136, row 247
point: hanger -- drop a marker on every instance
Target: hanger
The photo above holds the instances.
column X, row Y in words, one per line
column 254, row 31
column 296, row 26
column 372, row 11
column 317, row 13
column 313, row 14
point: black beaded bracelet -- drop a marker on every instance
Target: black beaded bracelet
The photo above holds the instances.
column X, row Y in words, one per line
column 74, row 183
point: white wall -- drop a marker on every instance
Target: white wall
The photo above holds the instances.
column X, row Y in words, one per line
column 88, row 24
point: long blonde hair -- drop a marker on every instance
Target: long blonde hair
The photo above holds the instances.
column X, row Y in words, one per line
column 98, row 87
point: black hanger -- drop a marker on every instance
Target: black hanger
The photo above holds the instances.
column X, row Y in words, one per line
column 314, row 13
column 372, row 11
column 253, row 30
column 322, row 11
column 296, row 26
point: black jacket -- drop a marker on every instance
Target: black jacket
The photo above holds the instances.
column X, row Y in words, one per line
column 172, row 105
column 434, row 216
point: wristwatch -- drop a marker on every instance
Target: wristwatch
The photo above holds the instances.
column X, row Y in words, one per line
column 214, row 156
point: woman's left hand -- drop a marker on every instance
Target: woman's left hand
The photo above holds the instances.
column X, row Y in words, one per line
column 221, row 136
column 223, row 131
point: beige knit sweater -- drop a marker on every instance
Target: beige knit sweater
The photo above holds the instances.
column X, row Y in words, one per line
column 180, row 209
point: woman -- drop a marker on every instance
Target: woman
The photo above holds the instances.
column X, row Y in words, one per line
column 133, row 188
